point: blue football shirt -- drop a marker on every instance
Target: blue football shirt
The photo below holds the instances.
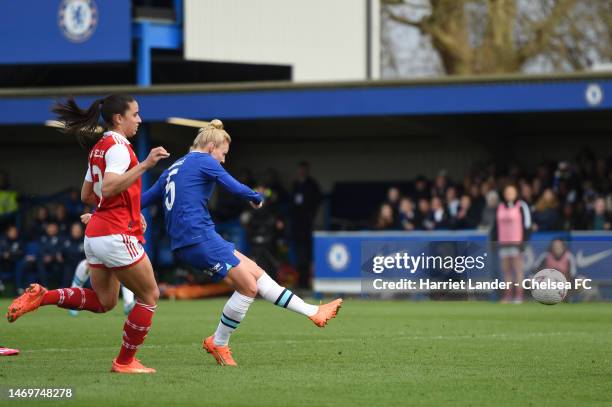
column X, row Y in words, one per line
column 186, row 187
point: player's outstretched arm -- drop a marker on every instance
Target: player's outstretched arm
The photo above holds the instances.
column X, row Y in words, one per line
column 222, row 177
column 114, row 184
column 232, row 185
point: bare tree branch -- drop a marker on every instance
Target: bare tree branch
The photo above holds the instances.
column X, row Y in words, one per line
column 496, row 36
column 412, row 5
column 544, row 30
column 403, row 20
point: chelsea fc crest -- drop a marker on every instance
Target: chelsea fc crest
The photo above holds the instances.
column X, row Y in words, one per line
column 78, row 19
column 338, row 257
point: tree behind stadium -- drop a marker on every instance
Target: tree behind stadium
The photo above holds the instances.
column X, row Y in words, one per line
column 503, row 36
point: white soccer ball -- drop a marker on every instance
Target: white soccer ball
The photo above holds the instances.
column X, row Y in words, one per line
column 549, row 286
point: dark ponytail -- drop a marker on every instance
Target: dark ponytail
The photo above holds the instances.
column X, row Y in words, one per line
column 85, row 124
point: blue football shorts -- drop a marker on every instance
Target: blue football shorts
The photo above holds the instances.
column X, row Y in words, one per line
column 214, row 256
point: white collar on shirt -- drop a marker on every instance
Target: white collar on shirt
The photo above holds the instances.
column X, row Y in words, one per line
column 114, row 133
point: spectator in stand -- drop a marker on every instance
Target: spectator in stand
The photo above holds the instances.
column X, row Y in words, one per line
column 439, row 216
column 74, row 207
column 263, row 228
column 478, row 200
column 27, row 271
column 536, row 186
column 279, row 197
column 306, row 199
column 600, row 219
column 440, row 185
column 589, row 195
column 421, row 190
column 423, row 215
column 487, row 219
column 384, row 218
column 407, row 215
column 546, row 216
column 51, row 260
column 393, row 199
column 600, row 178
column 567, row 217
column 609, row 203
column 452, row 202
column 467, row 217
column 41, row 221
column 526, row 193
column 60, row 217
column 73, row 252
column 581, row 221
column 8, row 202
column 467, row 183
column 11, row 252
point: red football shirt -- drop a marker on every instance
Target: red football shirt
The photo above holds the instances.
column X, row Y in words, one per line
column 119, row 214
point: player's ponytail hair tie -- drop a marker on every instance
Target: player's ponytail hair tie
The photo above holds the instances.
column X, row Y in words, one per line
column 212, row 133
column 217, row 124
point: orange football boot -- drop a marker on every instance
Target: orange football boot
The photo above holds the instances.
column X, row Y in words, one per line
column 134, row 367
column 222, row 354
column 27, row 302
column 326, row 312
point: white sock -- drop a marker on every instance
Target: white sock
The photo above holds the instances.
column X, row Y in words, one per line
column 234, row 311
column 81, row 274
column 283, row 297
column 128, row 296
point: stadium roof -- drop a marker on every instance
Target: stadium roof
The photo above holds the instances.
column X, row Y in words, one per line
column 282, row 100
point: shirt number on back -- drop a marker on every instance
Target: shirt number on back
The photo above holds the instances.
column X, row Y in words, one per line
column 170, row 190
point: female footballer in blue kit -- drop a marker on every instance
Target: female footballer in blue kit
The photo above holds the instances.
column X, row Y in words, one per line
column 186, row 188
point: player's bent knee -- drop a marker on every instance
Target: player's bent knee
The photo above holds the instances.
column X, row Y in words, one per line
column 254, row 269
column 155, row 294
column 151, row 297
column 108, row 303
column 249, row 290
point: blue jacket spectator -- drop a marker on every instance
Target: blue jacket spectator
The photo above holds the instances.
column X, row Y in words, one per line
column 51, row 259
column 11, row 254
column 73, row 251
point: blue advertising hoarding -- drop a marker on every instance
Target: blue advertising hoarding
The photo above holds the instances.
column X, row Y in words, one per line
column 64, row 31
column 342, row 259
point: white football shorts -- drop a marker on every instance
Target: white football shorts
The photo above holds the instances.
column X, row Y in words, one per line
column 113, row 252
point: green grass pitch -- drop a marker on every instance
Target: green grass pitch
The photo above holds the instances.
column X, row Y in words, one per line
column 374, row 353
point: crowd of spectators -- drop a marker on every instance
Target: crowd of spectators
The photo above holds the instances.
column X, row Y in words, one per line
column 43, row 244
column 43, row 241
column 562, row 196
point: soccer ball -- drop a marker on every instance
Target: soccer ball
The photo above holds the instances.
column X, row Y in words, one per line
column 548, row 287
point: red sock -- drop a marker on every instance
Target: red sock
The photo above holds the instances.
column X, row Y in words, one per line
column 74, row 298
column 135, row 331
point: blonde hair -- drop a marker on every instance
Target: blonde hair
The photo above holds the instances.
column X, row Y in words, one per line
column 212, row 133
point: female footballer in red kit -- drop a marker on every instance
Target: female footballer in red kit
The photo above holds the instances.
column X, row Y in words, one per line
column 114, row 235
